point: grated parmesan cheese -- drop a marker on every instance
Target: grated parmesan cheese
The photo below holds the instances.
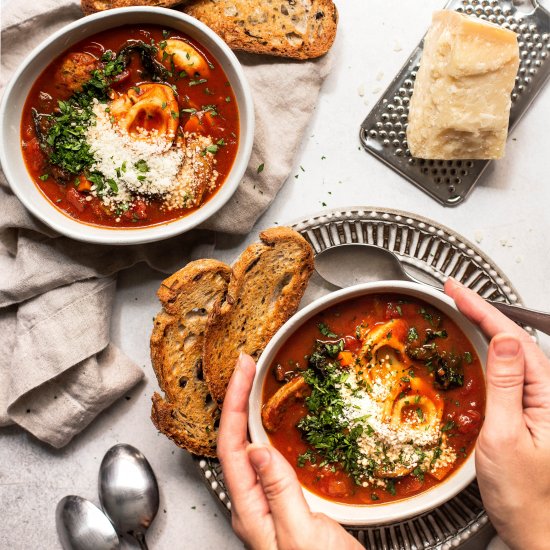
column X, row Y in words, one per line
column 178, row 170
column 394, row 448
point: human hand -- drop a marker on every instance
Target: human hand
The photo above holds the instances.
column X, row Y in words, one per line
column 513, row 447
column 268, row 507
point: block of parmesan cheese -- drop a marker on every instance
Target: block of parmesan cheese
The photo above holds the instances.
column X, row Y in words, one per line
column 460, row 105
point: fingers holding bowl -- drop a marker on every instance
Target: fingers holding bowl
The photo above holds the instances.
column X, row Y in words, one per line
column 250, row 508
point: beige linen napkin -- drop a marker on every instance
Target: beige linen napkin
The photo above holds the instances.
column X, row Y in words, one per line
column 57, row 367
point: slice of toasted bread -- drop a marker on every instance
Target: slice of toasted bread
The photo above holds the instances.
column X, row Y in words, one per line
column 300, row 29
column 188, row 415
column 267, row 284
column 92, row 6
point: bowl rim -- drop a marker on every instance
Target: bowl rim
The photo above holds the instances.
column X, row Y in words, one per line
column 371, row 514
column 81, row 231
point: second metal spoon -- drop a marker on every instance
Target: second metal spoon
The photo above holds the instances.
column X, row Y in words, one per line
column 351, row 264
column 128, row 491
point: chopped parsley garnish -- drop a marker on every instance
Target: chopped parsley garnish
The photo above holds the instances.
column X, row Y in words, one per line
column 211, row 108
column 197, row 82
column 260, row 168
column 468, row 357
column 44, row 177
column 324, row 428
column 62, row 136
column 448, row 426
column 141, row 166
column 433, row 334
column 112, row 184
column 325, row 331
column 334, row 348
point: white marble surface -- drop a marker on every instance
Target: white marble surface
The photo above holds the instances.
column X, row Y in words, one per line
column 506, row 215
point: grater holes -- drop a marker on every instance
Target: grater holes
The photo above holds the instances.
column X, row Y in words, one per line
column 532, row 56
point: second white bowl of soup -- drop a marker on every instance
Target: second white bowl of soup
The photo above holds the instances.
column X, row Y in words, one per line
column 375, row 394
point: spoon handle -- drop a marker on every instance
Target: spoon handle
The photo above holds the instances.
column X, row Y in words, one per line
column 140, row 537
column 523, row 315
column 531, row 317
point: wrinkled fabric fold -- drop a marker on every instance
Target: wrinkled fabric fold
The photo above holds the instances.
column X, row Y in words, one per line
column 58, row 369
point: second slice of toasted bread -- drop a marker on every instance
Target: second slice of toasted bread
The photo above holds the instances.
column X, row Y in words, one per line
column 188, row 415
column 301, row 29
column 267, row 284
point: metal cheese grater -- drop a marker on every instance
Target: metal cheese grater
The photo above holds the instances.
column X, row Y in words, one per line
column 383, row 131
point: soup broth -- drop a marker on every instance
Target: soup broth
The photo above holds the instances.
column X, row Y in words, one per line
column 131, row 127
column 375, row 399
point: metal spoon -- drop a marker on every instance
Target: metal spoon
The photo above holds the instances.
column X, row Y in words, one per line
column 128, row 491
column 350, row 264
column 83, row 526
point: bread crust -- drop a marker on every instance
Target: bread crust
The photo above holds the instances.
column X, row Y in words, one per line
column 300, row 29
column 266, row 286
column 93, row 6
column 187, row 414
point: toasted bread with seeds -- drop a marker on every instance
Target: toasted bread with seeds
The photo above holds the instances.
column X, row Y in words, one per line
column 300, row 29
column 93, row 6
column 187, row 414
column 267, row 284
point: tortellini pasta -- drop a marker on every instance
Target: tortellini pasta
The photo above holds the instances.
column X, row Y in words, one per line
column 145, row 110
column 180, row 56
column 384, row 360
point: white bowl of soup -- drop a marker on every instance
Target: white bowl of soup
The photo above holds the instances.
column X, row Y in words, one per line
column 128, row 126
column 375, row 394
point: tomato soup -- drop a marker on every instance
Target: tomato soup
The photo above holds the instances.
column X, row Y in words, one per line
column 375, row 399
column 131, row 127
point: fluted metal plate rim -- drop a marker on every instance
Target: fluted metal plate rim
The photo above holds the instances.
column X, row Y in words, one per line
column 421, row 243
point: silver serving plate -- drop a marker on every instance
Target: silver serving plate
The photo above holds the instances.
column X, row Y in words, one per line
column 383, row 132
column 432, row 252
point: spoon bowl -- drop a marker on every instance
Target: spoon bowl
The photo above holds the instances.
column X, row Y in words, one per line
column 83, row 526
column 351, row 264
column 128, row 491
